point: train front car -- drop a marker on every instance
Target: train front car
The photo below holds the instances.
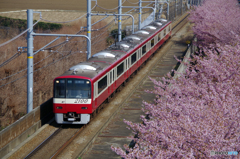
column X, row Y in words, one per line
column 72, row 102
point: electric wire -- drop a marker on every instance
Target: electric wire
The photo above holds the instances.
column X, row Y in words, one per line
column 13, row 74
column 12, row 81
column 46, row 45
column 10, row 59
column 18, row 35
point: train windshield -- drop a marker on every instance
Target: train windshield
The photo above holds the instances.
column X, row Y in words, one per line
column 72, row 88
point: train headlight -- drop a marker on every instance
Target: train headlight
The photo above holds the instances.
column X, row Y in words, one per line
column 84, row 107
column 57, row 81
column 87, row 82
column 59, row 107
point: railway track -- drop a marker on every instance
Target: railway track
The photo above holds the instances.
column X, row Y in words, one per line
column 60, row 139
column 30, row 155
column 56, row 142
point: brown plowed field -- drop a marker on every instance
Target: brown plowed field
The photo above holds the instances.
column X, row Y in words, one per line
column 80, row 5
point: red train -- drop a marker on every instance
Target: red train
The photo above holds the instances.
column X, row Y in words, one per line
column 85, row 86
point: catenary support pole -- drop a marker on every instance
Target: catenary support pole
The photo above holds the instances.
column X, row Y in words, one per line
column 155, row 8
column 175, row 8
column 168, row 17
column 119, row 20
column 140, row 15
column 89, row 28
column 181, row 7
column 29, row 61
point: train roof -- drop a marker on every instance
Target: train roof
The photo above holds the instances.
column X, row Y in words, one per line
column 103, row 59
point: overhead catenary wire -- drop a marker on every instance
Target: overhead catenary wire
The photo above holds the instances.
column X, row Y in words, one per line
column 46, row 45
column 13, row 81
column 13, row 74
column 10, row 59
column 18, row 35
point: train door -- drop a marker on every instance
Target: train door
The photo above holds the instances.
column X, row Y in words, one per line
column 95, row 94
column 129, row 65
column 126, row 67
column 139, row 57
column 109, row 82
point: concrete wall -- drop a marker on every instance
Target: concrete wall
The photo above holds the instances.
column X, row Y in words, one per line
column 182, row 68
column 19, row 131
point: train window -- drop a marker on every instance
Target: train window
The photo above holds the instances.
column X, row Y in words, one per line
column 113, row 75
column 126, row 64
column 120, row 69
column 159, row 36
column 152, row 42
column 134, row 58
column 102, row 84
column 144, row 49
column 78, row 88
column 139, row 53
column 110, row 76
column 60, row 89
column 164, row 32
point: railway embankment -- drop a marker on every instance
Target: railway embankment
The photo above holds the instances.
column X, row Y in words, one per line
column 15, row 134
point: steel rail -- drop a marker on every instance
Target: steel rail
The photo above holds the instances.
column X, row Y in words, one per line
column 43, row 143
column 66, row 143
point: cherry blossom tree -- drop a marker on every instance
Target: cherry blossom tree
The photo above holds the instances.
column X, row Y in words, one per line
column 216, row 21
column 199, row 111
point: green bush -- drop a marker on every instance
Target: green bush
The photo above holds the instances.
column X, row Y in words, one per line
column 22, row 24
column 114, row 33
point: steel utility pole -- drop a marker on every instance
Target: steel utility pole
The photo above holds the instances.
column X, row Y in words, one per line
column 119, row 20
column 29, row 61
column 140, row 15
column 89, row 28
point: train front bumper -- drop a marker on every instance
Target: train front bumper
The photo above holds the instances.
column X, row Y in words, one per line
column 60, row 119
